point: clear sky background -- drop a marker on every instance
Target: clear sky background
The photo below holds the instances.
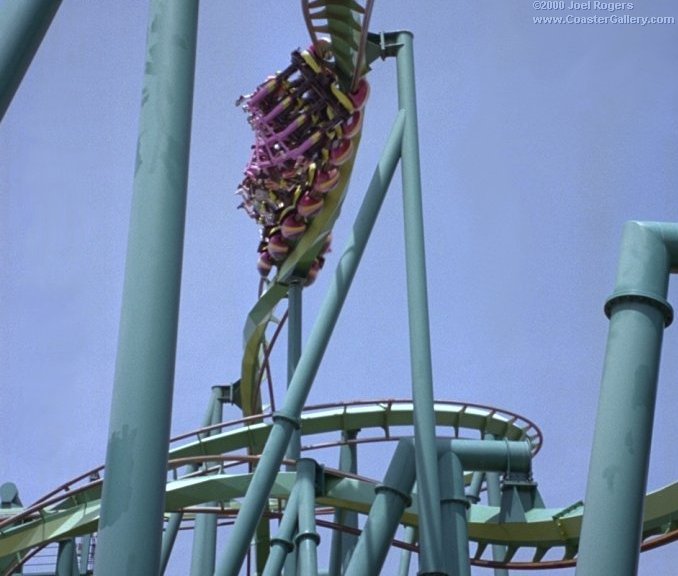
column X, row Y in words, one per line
column 538, row 142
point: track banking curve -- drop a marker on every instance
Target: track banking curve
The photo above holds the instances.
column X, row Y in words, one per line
column 549, row 535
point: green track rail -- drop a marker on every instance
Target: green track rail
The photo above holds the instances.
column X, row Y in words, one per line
column 295, row 266
column 544, row 532
column 346, row 23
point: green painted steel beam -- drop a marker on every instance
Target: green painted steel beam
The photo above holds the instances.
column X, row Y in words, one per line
column 23, row 25
column 130, row 528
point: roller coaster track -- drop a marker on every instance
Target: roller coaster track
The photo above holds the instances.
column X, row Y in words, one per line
column 73, row 509
column 346, row 23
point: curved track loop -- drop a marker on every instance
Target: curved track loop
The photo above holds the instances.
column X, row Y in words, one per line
column 300, row 258
column 347, row 24
column 223, row 475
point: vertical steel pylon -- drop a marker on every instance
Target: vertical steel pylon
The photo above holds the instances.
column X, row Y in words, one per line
column 294, row 344
column 426, row 458
column 620, row 456
column 130, row 527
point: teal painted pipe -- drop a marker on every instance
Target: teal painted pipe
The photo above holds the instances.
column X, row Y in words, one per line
column 130, row 527
column 490, row 455
column 430, row 555
column 294, row 340
column 343, row 543
column 282, row 544
column 294, row 344
column 212, row 416
column 85, row 543
column 67, row 560
column 457, row 455
column 23, row 25
column 168, row 538
column 406, row 555
column 617, row 480
column 203, row 554
column 391, row 498
column 453, row 515
column 494, row 499
column 287, row 420
column 473, row 491
column 204, row 550
column 307, row 539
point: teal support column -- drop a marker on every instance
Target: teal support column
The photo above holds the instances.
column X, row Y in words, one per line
column 294, row 343
column 203, row 555
column 168, row 538
column 428, row 493
column 67, row 559
column 307, row 539
column 204, row 544
column 212, row 415
column 638, row 312
column 393, row 495
column 282, row 544
column 473, row 491
column 453, row 515
column 130, row 527
column 85, row 544
column 343, row 543
column 287, row 419
column 494, row 499
column 406, row 555
column 23, row 25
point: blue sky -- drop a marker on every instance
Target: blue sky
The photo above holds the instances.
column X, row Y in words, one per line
column 538, row 142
